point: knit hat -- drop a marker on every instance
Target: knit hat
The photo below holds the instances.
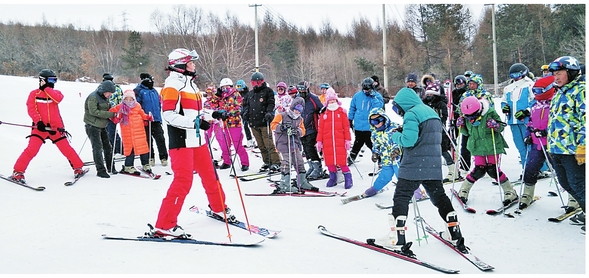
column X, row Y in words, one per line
column 145, row 76
column 544, row 83
column 412, row 77
column 299, row 108
column 330, row 94
column 375, row 78
column 106, row 86
column 107, row 76
column 129, row 93
column 433, row 89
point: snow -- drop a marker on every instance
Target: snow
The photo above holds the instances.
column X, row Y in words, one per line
column 58, row 231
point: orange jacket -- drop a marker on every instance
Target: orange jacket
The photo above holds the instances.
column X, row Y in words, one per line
column 133, row 133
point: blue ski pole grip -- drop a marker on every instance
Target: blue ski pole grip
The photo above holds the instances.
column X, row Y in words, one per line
column 197, row 126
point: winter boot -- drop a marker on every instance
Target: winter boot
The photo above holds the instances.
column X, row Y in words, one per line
column 395, row 240
column 509, row 194
column 146, row 168
column 311, row 168
column 78, row 172
column 130, row 170
column 304, row 183
column 285, row 185
column 18, row 177
column 164, row 162
column 572, row 204
column 450, row 177
column 317, row 170
column 578, row 219
column 152, row 161
column 340, row 176
column 348, row 180
column 452, row 232
column 464, row 190
column 527, row 196
column 264, row 167
column 332, row 179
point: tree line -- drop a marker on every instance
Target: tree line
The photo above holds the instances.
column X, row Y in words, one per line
column 437, row 38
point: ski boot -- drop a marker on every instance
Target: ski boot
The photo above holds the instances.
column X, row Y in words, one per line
column 509, row 194
column 572, row 204
column 130, row 170
column 395, row 240
column 18, row 177
column 348, row 180
column 527, row 196
column 464, row 190
column 332, row 179
column 304, row 183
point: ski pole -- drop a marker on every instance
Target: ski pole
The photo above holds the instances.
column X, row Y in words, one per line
column 112, row 157
column 552, row 171
column 290, row 164
column 418, row 218
column 497, row 165
column 7, row 123
column 83, row 144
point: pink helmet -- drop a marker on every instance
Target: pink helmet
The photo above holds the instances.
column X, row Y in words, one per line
column 282, row 84
column 470, row 105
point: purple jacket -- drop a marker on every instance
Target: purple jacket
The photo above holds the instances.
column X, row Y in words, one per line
column 538, row 121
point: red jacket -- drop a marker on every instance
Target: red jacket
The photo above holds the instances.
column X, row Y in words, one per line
column 333, row 131
column 42, row 105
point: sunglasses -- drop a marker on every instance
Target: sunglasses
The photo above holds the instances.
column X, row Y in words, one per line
column 280, row 89
column 539, row 90
column 377, row 120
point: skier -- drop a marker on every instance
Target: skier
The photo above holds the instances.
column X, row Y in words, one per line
column 411, row 82
column 96, row 117
column 111, row 128
column 323, row 89
column 283, row 100
column 439, row 103
column 360, row 106
column 566, row 130
column 258, row 111
column 459, row 89
column 311, row 119
column 150, row 101
column 42, row 107
column 243, row 90
column 334, row 139
column 483, row 126
column 131, row 117
column 420, row 138
column 289, row 128
column 189, row 152
column 379, row 88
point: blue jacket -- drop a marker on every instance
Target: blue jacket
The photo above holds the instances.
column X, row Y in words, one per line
column 150, row 101
column 518, row 95
column 360, row 108
column 310, row 114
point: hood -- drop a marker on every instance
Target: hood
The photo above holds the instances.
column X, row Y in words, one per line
column 388, row 123
column 295, row 101
column 427, row 77
column 106, row 86
column 407, row 99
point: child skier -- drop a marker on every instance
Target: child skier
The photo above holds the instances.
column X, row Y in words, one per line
column 483, row 126
column 283, row 100
column 288, row 129
column 132, row 119
column 334, row 139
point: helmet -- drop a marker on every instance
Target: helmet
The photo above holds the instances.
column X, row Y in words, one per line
column 468, row 73
column 303, row 86
column 240, row 84
column 518, row 70
column 368, row 83
column 564, row 62
column 226, row 82
column 460, row 79
column 47, row 73
column 292, row 90
column 181, row 56
column 477, row 79
column 470, row 105
column 281, row 84
column 324, row 86
column 257, row 76
column 210, row 89
column 544, row 86
column 544, row 67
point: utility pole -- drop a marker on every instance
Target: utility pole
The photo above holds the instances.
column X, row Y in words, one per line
column 257, row 67
column 494, row 50
column 124, row 15
column 384, row 47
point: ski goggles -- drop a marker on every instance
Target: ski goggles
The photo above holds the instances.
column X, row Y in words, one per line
column 556, row 66
column 377, row 120
column 515, row 75
column 49, row 79
column 540, row 90
column 398, row 109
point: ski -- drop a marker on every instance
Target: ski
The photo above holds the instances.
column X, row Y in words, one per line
column 518, row 211
column 564, row 215
column 258, row 176
column 455, row 181
column 315, row 189
column 142, row 174
column 252, row 228
column 150, row 174
column 119, row 159
column 464, row 206
column 396, row 254
column 361, row 196
column 465, row 254
column 70, row 183
column 182, row 240
column 383, row 206
column 297, row 194
column 502, row 208
column 38, row 188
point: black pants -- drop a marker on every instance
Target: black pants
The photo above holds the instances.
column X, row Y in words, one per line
column 130, row 160
column 465, row 153
column 361, row 138
column 100, row 146
column 309, row 142
column 157, row 133
column 434, row 188
column 246, row 129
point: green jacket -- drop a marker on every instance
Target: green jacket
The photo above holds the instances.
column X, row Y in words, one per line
column 96, row 106
column 480, row 140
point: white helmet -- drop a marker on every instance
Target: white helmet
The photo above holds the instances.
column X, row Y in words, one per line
column 226, row 82
column 181, row 56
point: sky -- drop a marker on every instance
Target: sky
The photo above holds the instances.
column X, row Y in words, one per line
column 113, row 13
column 58, row 231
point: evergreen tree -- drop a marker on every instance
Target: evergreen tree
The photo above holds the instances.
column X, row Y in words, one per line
column 134, row 61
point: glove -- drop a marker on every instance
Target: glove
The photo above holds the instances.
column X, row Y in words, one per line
column 352, row 124
column 506, row 109
column 220, row 115
column 219, row 92
column 150, row 117
column 521, row 114
column 289, row 131
column 460, row 122
column 491, row 123
column 284, row 127
column 45, row 128
column 396, row 152
column 375, row 157
column 348, row 145
column 540, row 133
column 268, row 117
column 319, row 146
column 204, row 125
column 580, row 155
column 528, row 140
column 115, row 120
column 398, row 129
column 44, row 84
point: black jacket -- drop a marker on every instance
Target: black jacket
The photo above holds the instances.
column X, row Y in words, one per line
column 256, row 104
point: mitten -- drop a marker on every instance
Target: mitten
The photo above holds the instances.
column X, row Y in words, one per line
column 580, row 155
column 395, row 153
column 491, row 123
column 204, row 125
column 375, row 157
column 268, row 117
column 460, row 122
column 348, row 145
column 319, row 146
column 41, row 126
column 150, row 117
column 219, row 92
column 528, row 140
column 219, row 115
column 540, row 133
column 521, row 114
column 506, row 109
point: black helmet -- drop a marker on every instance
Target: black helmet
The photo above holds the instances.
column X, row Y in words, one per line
column 518, row 70
column 47, row 73
column 460, row 79
column 368, row 84
column 257, row 76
